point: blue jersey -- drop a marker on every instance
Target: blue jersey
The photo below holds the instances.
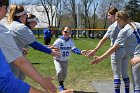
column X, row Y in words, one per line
column 47, row 33
column 8, row 82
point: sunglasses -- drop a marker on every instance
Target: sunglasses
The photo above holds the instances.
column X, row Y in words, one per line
column 66, row 31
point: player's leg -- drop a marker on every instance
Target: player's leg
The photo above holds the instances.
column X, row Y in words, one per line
column 64, row 72
column 49, row 41
column 67, row 91
column 58, row 68
column 116, row 68
column 136, row 77
column 116, row 60
column 124, row 70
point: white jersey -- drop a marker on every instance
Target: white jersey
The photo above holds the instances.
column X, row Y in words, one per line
column 8, row 45
column 112, row 32
column 22, row 34
column 127, row 39
column 65, row 48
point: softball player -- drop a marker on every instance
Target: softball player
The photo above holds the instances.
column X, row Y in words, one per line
column 47, row 35
column 66, row 45
column 23, row 35
column 128, row 37
column 8, row 82
column 119, row 61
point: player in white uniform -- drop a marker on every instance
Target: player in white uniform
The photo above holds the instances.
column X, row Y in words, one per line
column 119, row 61
column 8, row 82
column 23, row 35
column 66, row 45
column 128, row 37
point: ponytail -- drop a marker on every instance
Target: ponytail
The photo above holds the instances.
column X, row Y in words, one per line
column 11, row 13
column 13, row 10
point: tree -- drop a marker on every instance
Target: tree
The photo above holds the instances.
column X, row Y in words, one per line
column 105, row 6
column 133, row 9
column 87, row 5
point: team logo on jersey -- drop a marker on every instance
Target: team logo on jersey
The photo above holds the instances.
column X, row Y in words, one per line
column 61, row 44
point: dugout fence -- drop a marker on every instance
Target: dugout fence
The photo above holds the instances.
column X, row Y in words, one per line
column 76, row 33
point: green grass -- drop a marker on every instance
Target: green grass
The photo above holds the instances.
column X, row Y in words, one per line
column 80, row 72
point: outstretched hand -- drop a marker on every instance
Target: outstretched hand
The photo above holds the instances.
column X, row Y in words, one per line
column 53, row 47
column 55, row 51
column 91, row 53
column 50, row 86
column 84, row 52
column 96, row 60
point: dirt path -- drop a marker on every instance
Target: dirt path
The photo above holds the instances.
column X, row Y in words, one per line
column 107, row 87
column 97, row 87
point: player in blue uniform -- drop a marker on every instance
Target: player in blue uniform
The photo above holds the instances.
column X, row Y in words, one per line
column 66, row 45
column 47, row 35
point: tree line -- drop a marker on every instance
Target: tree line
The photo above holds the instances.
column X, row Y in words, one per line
column 86, row 13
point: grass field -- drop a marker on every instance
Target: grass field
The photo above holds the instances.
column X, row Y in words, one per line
column 80, row 72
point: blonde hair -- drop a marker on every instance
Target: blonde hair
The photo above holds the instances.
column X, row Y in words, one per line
column 122, row 15
column 13, row 10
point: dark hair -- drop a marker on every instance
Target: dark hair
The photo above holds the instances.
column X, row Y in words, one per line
column 4, row 2
column 113, row 11
column 30, row 16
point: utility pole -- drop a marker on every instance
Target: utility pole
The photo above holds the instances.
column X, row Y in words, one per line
column 78, row 19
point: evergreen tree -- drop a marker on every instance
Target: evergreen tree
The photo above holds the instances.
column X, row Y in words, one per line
column 132, row 7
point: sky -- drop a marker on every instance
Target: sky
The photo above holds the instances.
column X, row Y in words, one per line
column 19, row 1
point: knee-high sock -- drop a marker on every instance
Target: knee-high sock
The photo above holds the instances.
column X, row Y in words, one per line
column 117, row 83
column 127, row 84
column 136, row 91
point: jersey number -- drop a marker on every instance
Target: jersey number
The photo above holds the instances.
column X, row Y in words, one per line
column 65, row 54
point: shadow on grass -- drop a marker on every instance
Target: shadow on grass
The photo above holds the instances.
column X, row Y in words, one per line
column 83, row 92
column 36, row 63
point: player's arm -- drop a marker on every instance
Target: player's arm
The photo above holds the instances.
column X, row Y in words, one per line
column 99, row 45
column 76, row 51
column 24, row 65
column 106, row 54
column 38, row 46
